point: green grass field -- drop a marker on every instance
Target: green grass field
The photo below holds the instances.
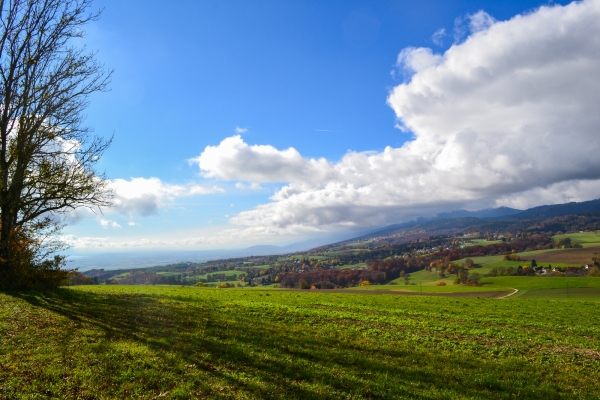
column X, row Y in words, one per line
column 176, row 343
column 430, row 288
column 348, row 266
column 265, row 266
column 426, row 282
column 584, row 238
column 489, row 262
column 562, row 293
column 540, row 282
column 486, row 268
column 227, row 273
column 483, row 242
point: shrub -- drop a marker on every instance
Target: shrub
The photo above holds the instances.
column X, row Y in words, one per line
column 303, row 284
column 27, row 271
column 474, row 279
column 77, row 278
column 594, row 271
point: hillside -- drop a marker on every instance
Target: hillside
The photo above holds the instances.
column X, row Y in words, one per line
column 405, row 250
column 495, row 220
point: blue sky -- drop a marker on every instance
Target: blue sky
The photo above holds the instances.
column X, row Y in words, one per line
column 315, row 76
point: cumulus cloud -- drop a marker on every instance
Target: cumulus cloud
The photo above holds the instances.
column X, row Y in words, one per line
column 206, row 238
column 234, row 159
column 412, row 60
column 480, row 21
column 471, row 23
column 107, row 223
column 248, row 186
column 139, row 196
column 439, row 36
column 506, row 117
column 240, row 130
column 144, row 196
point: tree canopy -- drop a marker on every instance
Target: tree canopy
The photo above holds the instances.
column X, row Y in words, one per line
column 47, row 155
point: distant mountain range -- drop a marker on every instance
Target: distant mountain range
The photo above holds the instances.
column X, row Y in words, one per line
column 502, row 216
column 558, row 210
column 466, row 216
column 263, row 250
column 487, row 213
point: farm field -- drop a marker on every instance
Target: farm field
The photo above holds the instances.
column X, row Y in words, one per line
column 562, row 293
column 426, row 282
column 430, row 288
column 226, row 273
column 348, row 266
column 584, row 238
column 184, row 342
column 419, row 277
column 483, row 242
column 164, row 273
column 134, row 341
column 266, row 266
column 556, row 257
column 540, row 282
column 576, row 257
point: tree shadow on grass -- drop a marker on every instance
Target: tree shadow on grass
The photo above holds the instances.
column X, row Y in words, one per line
column 207, row 348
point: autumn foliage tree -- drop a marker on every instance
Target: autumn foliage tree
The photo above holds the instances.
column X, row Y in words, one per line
column 47, row 156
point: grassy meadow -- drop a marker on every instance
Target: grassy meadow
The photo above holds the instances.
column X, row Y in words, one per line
column 101, row 342
column 350, row 266
column 583, row 238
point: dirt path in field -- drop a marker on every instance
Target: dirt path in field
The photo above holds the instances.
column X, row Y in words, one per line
column 510, row 294
column 397, row 293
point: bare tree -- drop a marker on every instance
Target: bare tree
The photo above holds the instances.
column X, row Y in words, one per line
column 47, row 156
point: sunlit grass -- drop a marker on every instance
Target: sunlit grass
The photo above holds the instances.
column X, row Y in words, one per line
column 176, row 342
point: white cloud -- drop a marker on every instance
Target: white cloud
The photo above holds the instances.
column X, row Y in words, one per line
column 207, row 238
column 507, row 117
column 248, row 186
column 144, row 196
column 201, row 190
column 438, row 36
column 557, row 193
column 139, row 196
column 240, row 130
column 412, row 60
column 472, row 23
column 233, row 159
column 480, row 21
column 107, row 223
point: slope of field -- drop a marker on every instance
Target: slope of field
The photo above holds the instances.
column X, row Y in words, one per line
column 527, row 283
column 583, row 238
column 576, row 257
column 226, row 273
column 350, row 266
column 562, row 293
column 176, row 342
